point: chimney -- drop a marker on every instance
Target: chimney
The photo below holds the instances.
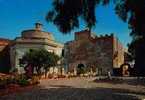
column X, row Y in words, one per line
column 38, row 26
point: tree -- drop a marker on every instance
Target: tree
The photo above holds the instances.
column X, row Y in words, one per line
column 38, row 60
column 51, row 61
column 65, row 14
column 132, row 11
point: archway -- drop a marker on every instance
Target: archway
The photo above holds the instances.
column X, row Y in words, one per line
column 80, row 69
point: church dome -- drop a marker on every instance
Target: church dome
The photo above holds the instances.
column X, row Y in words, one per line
column 37, row 33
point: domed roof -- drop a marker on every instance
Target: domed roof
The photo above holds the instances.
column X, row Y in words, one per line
column 37, row 33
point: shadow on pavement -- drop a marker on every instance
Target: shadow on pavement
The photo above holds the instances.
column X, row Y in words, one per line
column 71, row 93
column 60, row 86
column 133, row 82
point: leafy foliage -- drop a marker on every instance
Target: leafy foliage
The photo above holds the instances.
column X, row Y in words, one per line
column 132, row 11
column 66, row 13
column 39, row 59
column 16, row 81
column 23, row 81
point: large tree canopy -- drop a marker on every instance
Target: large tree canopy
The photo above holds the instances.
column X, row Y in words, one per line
column 66, row 13
column 132, row 11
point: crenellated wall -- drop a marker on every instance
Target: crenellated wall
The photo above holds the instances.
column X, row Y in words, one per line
column 93, row 52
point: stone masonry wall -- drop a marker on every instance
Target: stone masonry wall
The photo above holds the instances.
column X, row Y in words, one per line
column 92, row 52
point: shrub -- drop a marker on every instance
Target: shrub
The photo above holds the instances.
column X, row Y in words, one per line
column 5, row 80
column 61, row 76
column 22, row 80
column 34, row 80
column 50, row 76
column 3, row 83
column 11, row 80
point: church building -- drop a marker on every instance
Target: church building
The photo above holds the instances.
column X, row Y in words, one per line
column 32, row 39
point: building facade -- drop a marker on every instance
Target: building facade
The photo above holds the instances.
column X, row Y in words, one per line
column 98, row 54
column 32, row 39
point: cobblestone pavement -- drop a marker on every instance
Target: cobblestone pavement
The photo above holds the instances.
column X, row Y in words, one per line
column 79, row 89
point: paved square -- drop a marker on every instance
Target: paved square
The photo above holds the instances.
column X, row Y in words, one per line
column 79, row 89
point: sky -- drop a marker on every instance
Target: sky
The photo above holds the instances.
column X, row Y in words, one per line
column 19, row 15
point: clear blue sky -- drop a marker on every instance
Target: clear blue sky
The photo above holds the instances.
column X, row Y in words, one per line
column 19, row 15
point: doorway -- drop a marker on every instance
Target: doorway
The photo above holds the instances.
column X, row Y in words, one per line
column 81, row 69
